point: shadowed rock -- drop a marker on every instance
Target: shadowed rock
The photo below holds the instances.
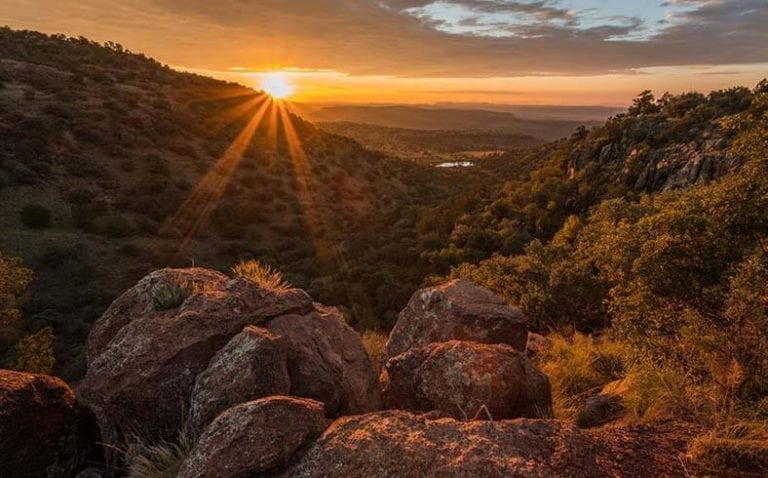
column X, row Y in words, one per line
column 144, row 360
column 467, row 380
column 457, row 310
column 43, row 432
column 254, row 437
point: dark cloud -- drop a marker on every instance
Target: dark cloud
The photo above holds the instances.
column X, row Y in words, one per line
column 376, row 37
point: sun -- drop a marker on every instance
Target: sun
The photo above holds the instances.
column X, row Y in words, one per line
column 277, row 86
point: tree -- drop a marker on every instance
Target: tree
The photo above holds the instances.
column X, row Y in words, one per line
column 34, row 353
column 14, row 279
column 644, row 104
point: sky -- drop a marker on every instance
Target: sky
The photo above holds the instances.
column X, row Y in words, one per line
column 565, row 52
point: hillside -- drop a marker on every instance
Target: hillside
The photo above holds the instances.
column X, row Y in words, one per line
column 423, row 118
column 112, row 165
column 608, row 290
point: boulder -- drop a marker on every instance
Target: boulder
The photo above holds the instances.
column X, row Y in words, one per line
column 43, row 431
column 252, row 365
column 467, row 380
column 605, row 407
column 327, row 361
column 254, row 438
column 397, row 443
column 146, row 352
column 457, row 310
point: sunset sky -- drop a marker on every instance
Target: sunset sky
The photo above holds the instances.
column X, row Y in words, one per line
column 425, row 51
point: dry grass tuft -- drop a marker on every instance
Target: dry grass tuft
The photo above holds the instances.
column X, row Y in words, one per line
column 262, row 274
column 161, row 460
column 742, row 446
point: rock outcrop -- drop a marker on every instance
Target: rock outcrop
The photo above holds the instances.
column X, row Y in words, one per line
column 457, row 310
column 254, row 438
column 146, row 353
column 254, row 364
column 467, row 380
column 43, row 431
column 398, row 443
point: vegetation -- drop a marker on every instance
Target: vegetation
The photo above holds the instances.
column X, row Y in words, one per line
column 35, row 353
column 161, row 460
column 262, row 274
column 640, row 246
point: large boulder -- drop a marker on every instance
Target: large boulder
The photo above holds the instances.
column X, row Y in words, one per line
column 467, row 380
column 254, row 364
column 254, row 438
column 398, row 443
column 327, row 361
column 147, row 351
column 457, row 310
column 43, row 431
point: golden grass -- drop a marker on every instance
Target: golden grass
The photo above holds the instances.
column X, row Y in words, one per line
column 261, row 274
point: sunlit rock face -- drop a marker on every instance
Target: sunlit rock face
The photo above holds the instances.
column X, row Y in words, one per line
column 467, row 380
column 155, row 354
column 397, row 443
column 254, row 437
column 457, row 310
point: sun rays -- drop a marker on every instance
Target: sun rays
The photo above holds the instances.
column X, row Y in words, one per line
column 270, row 117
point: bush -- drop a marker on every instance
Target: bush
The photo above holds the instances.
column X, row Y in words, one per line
column 35, row 216
column 34, row 353
column 262, row 274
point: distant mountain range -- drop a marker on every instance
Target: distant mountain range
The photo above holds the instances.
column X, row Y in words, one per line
column 439, row 118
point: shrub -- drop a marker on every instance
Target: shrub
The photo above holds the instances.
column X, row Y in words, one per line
column 34, row 353
column 168, row 296
column 14, row 279
column 35, row 216
column 262, row 274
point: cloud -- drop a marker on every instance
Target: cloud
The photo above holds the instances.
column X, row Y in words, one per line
column 389, row 37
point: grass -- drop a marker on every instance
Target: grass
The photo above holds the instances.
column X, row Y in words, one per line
column 579, row 367
column 162, row 460
column 168, row 296
column 262, row 274
column 741, row 446
column 374, row 343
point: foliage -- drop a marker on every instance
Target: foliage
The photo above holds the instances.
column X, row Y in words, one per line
column 14, row 279
column 262, row 274
column 35, row 353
